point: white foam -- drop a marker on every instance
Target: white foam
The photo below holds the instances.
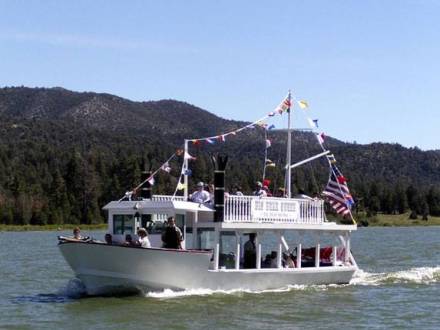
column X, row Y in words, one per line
column 168, row 293
column 418, row 275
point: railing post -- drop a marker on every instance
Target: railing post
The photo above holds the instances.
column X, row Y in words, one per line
column 258, row 254
column 280, row 250
column 317, row 252
column 237, row 251
column 334, row 255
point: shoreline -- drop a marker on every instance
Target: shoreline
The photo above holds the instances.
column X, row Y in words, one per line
column 21, row 228
column 379, row 220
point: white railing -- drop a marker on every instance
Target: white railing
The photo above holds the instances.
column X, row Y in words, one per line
column 271, row 209
column 165, row 198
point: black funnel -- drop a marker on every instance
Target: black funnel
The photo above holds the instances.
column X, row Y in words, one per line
column 219, row 184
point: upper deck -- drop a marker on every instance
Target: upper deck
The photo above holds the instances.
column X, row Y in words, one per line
column 237, row 209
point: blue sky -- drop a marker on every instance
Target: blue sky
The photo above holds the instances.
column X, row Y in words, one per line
column 370, row 70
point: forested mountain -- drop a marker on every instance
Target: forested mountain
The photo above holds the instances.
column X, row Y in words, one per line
column 64, row 154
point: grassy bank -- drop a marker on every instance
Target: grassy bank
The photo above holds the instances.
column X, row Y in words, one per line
column 395, row 220
column 50, row 227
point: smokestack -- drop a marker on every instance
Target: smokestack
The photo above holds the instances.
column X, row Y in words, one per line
column 219, row 184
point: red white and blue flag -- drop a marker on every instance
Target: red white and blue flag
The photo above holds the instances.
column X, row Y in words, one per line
column 337, row 192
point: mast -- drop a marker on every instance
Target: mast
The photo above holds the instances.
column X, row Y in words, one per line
column 289, row 151
column 185, row 171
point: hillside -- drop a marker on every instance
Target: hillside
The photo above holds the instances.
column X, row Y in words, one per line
column 63, row 154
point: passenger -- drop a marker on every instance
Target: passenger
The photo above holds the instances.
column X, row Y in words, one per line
column 259, row 190
column 129, row 240
column 211, row 190
column 143, row 240
column 266, row 261
column 281, row 192
column 266, row 189
column 201, row 195
column 172, row 237
column 250, row 255
column 273, row 259
column 288, row 261
column 236, row 191
column 108, row 238
column 77, row 233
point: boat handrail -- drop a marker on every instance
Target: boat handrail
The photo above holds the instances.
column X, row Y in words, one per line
column 274, row 210
column 165, row 198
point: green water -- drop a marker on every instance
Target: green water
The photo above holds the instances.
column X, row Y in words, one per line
column 398, row 287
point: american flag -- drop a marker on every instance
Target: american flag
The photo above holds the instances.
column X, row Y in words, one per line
column 337, row 192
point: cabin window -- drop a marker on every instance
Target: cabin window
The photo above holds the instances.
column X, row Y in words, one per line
column 205, row 238
column 228, row 248
column 123, row 224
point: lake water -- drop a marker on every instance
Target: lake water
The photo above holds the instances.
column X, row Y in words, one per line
column 398, row 287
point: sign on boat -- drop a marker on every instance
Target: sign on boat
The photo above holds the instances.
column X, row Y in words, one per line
column 203, row 261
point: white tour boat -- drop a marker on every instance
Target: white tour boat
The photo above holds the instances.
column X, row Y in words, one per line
column 213, row 255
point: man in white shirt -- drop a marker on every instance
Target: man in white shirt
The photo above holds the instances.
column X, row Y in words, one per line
column 201, row 195
column 259, row 190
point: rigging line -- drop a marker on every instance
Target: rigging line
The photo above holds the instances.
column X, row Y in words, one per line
column 265, row 154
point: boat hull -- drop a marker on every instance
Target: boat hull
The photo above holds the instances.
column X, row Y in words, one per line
column 108, row 269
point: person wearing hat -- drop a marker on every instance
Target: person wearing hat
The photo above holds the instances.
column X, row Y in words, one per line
column 201, row 195
column 143, row 240
column 259, row 191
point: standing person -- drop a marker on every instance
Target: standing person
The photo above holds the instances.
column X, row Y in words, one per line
column 172, row 237
column 250, row 254
column 259, row 190
column 201, row 195
column 143, row 240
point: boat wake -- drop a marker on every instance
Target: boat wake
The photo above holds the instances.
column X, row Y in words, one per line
column 418, row 275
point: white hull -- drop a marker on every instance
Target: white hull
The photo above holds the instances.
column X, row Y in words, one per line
column 108, row 269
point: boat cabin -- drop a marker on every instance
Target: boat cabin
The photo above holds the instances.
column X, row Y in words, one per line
column 282, row 225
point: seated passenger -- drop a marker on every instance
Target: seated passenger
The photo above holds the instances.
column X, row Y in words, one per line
column 236, row 191
column 77, row 233
column 273, row 259
column 143, row 240
column 108, row 238
column 201, row 195
column 172, row 236
column 259, row 190
column 267, row 191
column 288, row 261
column 129, row 240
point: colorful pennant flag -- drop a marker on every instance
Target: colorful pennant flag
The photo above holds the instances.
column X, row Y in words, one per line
column 187, row 172
column 151, row 181
column 320, row 137
column 179, row 152
column 187, row 156
column 331, row 158
column 303, row 104
column 166, row 167
column 210, row 141
column 312, row 123
column 271, row 114
column 271, row 127
column 221, row 138
column 181, row 186
column 268, row 143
